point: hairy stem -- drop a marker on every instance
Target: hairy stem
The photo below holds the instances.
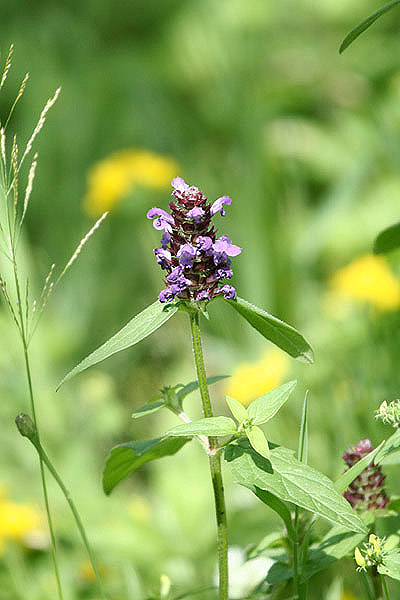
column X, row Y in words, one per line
column 214, row 460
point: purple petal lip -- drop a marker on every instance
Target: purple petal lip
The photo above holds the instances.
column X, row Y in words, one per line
column 179, row 184
column 203, row 295
column 217, row 206
column 196, row 213
column 224, row 245
column 229, row 292
column 159, row 212
column 204, row 242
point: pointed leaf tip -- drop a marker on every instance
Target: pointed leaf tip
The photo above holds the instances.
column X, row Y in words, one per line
column 276, row 331
column 138, row 328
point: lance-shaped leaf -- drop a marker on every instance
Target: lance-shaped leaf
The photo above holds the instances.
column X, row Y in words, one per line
column 148, row 409
column 279, row 333
column 124, row 459
column 391, row 444
column 194, row 385
column 388, row 239
column 365, row 24
column 211, row 426
column 264, row 408
column 290, row 480
column 237, row 409
column 348, row 476
column 138, row 328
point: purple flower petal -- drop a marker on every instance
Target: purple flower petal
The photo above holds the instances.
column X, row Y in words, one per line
column 186, row 254
column 163, row 257
column 202, row 295
column 217, row 206
column 204, row 242
column 165, row 239
column 223, row 245
column 228, row 291
column 179, row 184
column 196, row 213
column 164, row 220
column 166, row 295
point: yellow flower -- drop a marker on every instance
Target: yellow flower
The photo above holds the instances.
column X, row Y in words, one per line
column 114, row 177
column 368, row 279
column 358, row 557
column 348, row 596
column 16, row 521
column 251, row 380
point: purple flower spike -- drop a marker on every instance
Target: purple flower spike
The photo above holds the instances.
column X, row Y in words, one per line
column 186, row 255
column 179, row 184
column 195, row 260
column 217, row 206
column 229, row 292
column 196, row 213
column 163, row 221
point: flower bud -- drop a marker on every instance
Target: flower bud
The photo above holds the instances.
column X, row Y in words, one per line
column 26, row 427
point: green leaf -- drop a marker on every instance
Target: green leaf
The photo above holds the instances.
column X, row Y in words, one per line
column 194, row 385
column 264, row 408
column 138, row 328
column 212, row 426
column 257, row 439
column 343, row 482
column 292, row 481
column 361, row 27
column 237, row 409
column 302, row 450
column 124, row 459
column 391, row 564
column 391, row 459
column 279, row 507
column 279, row 333
column 391, row 444
column 148, row 409
column 388, row 239
column 337, row 543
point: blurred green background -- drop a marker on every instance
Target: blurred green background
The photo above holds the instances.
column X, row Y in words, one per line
column 248, row 98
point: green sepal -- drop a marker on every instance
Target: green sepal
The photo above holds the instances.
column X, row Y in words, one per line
column 276, row 331
column 148, row 409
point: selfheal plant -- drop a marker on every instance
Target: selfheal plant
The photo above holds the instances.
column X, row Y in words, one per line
column 365, row 492
column 196, row 261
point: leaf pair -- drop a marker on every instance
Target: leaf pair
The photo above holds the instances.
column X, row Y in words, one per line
column 151, row 318
column 172, row 397
column 260, row 411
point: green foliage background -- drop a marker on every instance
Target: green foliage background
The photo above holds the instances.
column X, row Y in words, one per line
column 253, row 100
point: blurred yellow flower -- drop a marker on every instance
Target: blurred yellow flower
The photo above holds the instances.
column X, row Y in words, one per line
column 16, row 521
column 251, row 380
column 112, row 178
column 348, row 596
column 368, row 279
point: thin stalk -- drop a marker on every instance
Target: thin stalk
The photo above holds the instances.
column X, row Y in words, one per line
column 367, row 587
column 33, row 410
column 214, row 461
column 385, row 588
column 78, row 520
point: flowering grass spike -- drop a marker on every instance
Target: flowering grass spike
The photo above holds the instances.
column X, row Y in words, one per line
column 195, row 259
